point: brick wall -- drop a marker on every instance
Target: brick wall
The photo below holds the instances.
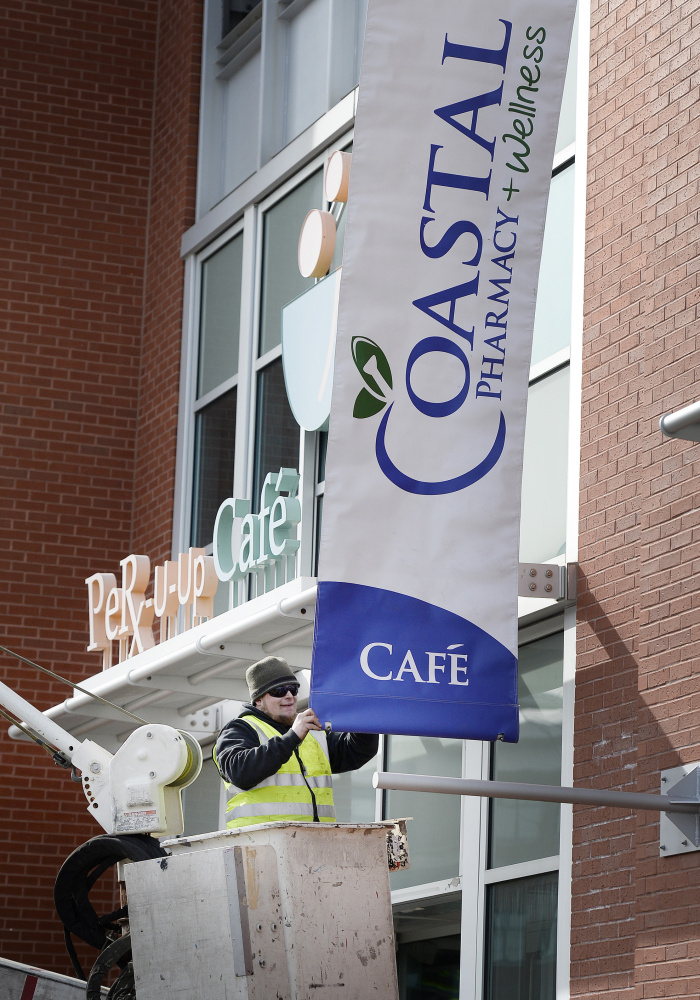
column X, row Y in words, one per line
column 172, row 211
column 97, row 172
column 635, row 920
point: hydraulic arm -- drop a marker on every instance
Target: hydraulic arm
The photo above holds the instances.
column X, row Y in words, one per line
column 138, row 789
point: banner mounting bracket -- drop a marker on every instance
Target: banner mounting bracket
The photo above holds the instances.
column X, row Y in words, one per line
column 551, row 581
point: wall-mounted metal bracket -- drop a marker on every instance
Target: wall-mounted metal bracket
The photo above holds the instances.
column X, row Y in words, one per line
column 679, row 833
column 548, row 580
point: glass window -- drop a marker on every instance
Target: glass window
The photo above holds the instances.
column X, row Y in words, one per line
column 433, row 833
column 234, row 11
column 543, row 512
column 360, row 25
column 552, row 330
column 263, row 88
column 354, row 796
column 339, row 241
column 276, row 430
column 427, row 949
column 567, row 117
column 317, row 533
column 242, row 125
column 320, row 487
column 275, row 433
column 521, row 939
column 214, row 446
column 200, row 801
column 281, row 280
column 322, row 55
column 307, row 66
column 524, row 831
column 322, row 451
column 217, row 371
column 219, row 329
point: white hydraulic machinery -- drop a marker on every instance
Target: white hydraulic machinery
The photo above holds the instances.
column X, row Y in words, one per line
column 139, row 788
column 275, row 910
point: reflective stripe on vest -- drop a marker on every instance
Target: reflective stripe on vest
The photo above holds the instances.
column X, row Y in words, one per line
column 286, row 794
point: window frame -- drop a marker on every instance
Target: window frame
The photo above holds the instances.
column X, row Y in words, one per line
column 250, row 223
column 189, row 405
column 258, row 363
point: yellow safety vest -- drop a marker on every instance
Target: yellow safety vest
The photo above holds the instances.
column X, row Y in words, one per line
column 285, row 795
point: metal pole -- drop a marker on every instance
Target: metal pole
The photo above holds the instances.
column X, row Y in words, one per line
column 683, row 423
column 536, row 793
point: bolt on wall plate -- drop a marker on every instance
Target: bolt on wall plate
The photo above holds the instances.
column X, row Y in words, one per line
column 677, row 831
column 206, row 720
column 543, row 580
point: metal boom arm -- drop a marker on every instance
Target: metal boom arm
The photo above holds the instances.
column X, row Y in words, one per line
column 37, row 721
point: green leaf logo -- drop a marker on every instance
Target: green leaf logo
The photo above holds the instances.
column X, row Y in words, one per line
column 373, row 366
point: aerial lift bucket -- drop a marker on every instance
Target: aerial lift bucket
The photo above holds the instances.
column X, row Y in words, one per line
column 279, row 911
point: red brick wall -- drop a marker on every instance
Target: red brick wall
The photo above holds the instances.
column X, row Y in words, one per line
column 636, row 918
column 97, row 172
column 172, row 211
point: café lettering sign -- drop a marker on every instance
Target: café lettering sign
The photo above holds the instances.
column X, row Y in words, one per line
column 184, row 588
column 260, row 540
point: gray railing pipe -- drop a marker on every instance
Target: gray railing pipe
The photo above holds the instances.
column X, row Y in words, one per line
column 535, row 793
column 683, row 423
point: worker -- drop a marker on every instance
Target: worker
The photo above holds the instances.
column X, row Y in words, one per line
column 277, row 762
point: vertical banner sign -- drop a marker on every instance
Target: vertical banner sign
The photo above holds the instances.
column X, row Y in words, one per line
column 416, row 615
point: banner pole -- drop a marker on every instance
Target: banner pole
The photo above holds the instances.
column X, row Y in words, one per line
column 536, row 793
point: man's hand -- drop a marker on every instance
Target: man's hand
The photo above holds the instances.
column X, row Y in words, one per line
column 304, row 722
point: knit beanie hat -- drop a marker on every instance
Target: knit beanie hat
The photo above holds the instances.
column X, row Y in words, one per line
column 266, row 674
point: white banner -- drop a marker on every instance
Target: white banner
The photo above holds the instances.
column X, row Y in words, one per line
column 416, row 620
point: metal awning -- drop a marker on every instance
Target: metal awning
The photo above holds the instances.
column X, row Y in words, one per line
column 177, row 681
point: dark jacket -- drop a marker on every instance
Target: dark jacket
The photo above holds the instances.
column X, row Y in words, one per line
column 244, row 762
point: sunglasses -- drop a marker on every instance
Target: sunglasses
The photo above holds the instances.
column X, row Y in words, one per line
column 281, row 691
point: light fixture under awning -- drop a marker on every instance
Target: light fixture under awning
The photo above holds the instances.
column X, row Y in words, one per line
column 176, row 681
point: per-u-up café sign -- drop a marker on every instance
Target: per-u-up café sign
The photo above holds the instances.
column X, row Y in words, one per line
column 245, row 543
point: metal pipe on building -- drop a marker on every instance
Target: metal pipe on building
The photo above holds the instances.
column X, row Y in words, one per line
column 535, row 793
column 683, row 423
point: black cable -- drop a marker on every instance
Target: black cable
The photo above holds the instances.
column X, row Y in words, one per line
column 79, row 873
column 108, row 920
column 123, row 988
column 73, row 955
column 76, row 687
column 98, row 871
column 116, row 953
